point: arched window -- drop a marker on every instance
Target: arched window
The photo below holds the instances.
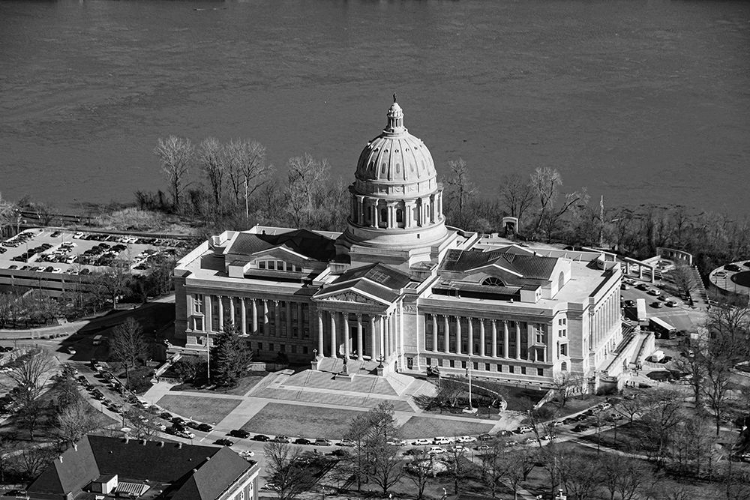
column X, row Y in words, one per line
column 493, row 281
column 564, row 366
column 560, row 281
column 399, row 215
column 384, row 215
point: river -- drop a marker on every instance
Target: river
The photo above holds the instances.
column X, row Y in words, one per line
column 639, row 101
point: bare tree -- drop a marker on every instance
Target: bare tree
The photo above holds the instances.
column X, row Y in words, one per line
column 247, row 170
column 358, row 433
column 460, row 189
column 386, row 466
column 142, row 423
column 494, row 464
column 563, row 384
column 211, row 158
column 31, row 371
column 516, row 194
column 76, row 420
column 518, row 466
column 31, row 461
column 421, row 470
column 128, row 345
column 684, row 279
column 288, row 479
column 582, row 476
column 664, row 413
column 306, row 181
column 175, row 154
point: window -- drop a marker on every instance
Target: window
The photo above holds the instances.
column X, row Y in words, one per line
column 452, row 364
column 294, row 349
column 523, row 370
column 260, row 346
column 399, row 215
column 511, row 369
column 198, row 303
column 262, row 264
column 563, row 349
column 476, row 365
column 562, row 321
column 463, row 364
column 283, row 348
column 280, row 265
column 487, row 367
column 428, row 361
column 409, row 363
column 198, row 324
column 304, row 349
column 493, row 281
column 270, row 346
column 540, row 372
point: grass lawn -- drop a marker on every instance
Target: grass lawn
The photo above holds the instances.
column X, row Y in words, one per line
column 243, row 387
column 209, row 410
column 425, row 427
column 301, row 421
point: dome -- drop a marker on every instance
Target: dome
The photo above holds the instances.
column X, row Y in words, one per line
column 395, row 156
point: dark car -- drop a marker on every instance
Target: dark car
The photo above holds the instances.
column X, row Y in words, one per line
column 505, row 433
column 485, row 437
column 239, row 433
column 261, row 437
column 192, row 425
column 580, row 428
column 166, row 415
column 732, row 267
column 302, row 441
column 205, row 428
column 178, row 421
column 224, row 442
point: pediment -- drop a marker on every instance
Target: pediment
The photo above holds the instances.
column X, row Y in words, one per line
column 351, row 296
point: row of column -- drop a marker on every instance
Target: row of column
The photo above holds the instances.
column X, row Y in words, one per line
column 256, row 305
column 428, row 210
column 606, row 317
column 381, row 328
column 482, row 337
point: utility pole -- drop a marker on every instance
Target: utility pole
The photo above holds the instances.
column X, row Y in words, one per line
column 208, row 358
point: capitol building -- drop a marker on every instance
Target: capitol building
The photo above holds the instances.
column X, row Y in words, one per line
column 399, row 291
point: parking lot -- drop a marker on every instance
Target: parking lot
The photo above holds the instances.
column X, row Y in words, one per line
column 60, row 251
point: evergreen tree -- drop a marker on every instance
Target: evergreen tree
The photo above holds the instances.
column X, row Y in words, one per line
column 229, row 356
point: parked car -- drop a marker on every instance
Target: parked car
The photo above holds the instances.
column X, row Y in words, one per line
column 523, row 429
column 282, row 439
column 505, row 433
column 205, row 428
column 261, row 437
column 224, row 442
column 441, row 440
column 421, row 442
column 436, row 450
column 580, row 428
column 302, row 441
column 346, row 442
column 322, row 442
column 239, row 433
column 557, row 423
column 485, row 437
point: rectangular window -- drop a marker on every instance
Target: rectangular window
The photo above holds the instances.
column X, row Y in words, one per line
column 260, row 346
column 271, row 265
column 540, row 372
column 198, row 324
column 280, row 265
column 283, row 347
column 294, row 349
column 198, row 303
column 476, row 365
column 452, row 364
column 306, row 333
column 304, row 349
column 270, row 347
column 511, row 369
column 262, row 264
column 523, row 370
column 428, row 361
column 564, row 349
column 463, row 364
column 487, row 367
column 409, row 363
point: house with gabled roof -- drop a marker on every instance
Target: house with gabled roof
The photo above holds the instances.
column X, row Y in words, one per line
column 399, row 289
column 99, row 467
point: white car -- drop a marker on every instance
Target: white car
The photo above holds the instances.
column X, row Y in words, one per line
column 436, row 450
column 460, row 448
column 442, row 440
column 161, row 427
column 78, row 235
column 466, row 439
column 421, row 442
column 247, row 454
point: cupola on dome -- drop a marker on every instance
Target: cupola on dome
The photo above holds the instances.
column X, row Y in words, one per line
column 395, row 155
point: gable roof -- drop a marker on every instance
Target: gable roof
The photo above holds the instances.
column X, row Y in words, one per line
column 77, row 468
column 375, row 280
column 301, row 241
column 522, row 264
column 194, row 472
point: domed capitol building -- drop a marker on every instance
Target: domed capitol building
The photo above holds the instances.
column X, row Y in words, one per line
column 399, row 291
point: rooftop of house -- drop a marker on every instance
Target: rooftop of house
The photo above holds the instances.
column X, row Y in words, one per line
column 180, row 471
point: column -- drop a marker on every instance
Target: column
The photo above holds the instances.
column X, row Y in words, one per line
column 373, row 339
column 389, row 215
column 232, row 312
column 207, row 306
column 518, row 340
column 221, row 313
column 471, row 335
column 288, row 319
column 381, row 320
column 300, row 321
column 387, row 336
column 334, row 354
column 434, row 333
column 361, row 208
column 255, row 315
column 447, row 339
column 347, row 349
column 494, row 338
column 276, row 318
column 408, row 211
column 360, row 345
column 266, row 322
column 458, row 334
column 506, row 340
column 481, row 337
column 321, row 353
column 243, row 313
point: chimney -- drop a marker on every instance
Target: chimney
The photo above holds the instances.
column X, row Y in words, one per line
column 179, row 446
column 75, row 446
column 208, row 458
column 127, row 438
column 143, row 442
